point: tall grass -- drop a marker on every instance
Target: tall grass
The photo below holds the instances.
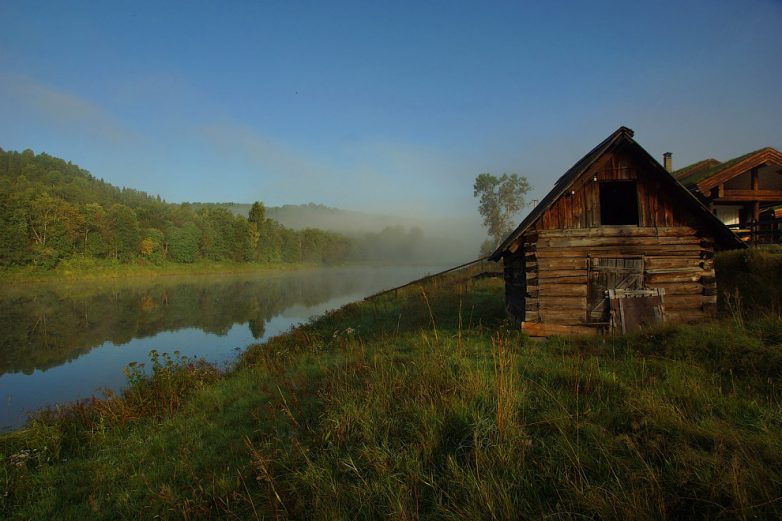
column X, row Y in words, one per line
column 751, row 279
column 504, row 371
column 393, row 408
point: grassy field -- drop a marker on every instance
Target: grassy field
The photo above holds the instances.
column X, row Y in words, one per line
column 426, row 404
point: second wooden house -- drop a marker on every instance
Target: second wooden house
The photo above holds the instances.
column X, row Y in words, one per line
column 617, row 244
column 744, row 192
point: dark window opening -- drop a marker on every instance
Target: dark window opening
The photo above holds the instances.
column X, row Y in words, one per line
column 618, row 203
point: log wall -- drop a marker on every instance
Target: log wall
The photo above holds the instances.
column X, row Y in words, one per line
column 555, row 264
column 515, row 285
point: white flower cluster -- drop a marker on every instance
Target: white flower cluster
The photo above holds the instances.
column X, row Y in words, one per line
column 348, row 332
column 20, row 459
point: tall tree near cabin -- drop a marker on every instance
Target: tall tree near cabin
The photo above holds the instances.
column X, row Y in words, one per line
column 500, row 199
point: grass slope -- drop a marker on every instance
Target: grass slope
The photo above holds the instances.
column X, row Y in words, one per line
column 425, row 405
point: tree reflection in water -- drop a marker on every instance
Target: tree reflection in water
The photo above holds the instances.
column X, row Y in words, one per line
column 61, row 342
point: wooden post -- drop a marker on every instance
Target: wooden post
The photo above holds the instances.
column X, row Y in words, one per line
column 755, row 225
column 755, row 206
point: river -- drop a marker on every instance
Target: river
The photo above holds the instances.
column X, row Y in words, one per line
column 66, row 341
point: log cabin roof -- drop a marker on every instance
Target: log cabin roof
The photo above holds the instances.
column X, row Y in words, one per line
column 682, row 173
column 730, row 168
column 623, row 136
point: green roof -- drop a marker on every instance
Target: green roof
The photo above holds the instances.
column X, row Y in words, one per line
column 688, row 170
column 706, row 173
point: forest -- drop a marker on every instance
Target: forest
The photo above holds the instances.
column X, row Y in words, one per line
column 52, row 210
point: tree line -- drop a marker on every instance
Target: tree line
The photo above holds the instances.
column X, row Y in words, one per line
column 51, row 210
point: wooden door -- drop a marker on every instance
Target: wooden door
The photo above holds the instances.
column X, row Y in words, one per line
column 606, row 273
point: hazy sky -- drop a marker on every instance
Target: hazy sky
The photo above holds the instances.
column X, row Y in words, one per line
column 389, row 106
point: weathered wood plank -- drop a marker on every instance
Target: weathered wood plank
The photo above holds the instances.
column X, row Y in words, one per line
column 559, row 263
column 573, row 318
column 621, row 231
column 655, row 280
column 557, row 274
column 569, row 302
column 592, row 242
column 544, row 330
column 680, row 288
column 560, row 290
column 608, row 245
column 654, row 209
column 571, row 279
column 573, row 311
column 661, row 262
column 643, row 205
column 619, row 250
column 686, row 269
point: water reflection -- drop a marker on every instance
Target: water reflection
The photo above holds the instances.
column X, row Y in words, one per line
column 62, row 342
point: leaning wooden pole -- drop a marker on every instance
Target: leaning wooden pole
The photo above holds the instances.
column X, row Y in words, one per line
column 428, row 277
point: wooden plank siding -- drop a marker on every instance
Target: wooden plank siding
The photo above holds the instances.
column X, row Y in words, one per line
column 676, row 259
column 581, row 209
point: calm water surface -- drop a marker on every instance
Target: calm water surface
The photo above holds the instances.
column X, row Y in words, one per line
column 63, row 342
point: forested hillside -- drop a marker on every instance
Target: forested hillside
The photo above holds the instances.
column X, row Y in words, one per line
column 396, row 239
column 301, row 216
column 51, row 210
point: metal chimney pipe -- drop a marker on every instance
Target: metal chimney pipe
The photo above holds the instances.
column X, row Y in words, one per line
column 667, row 163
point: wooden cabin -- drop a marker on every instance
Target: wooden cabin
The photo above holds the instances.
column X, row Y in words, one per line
column 617, row 244
column 743, row 192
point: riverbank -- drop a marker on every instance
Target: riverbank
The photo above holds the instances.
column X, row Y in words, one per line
column 91, row 269
column 426, row 404
column 67, row 339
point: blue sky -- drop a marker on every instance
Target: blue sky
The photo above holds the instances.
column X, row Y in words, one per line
column 389, row 107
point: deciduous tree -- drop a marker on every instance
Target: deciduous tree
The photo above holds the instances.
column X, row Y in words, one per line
column 501, row 198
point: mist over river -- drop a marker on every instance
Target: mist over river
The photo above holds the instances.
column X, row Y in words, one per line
column 66, row 341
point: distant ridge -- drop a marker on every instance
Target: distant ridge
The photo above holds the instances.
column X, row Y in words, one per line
column 313, row 215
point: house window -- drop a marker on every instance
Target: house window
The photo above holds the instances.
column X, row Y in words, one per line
column 618, row 203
